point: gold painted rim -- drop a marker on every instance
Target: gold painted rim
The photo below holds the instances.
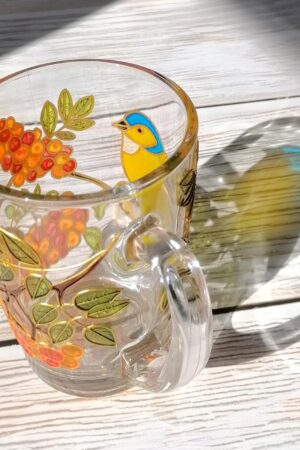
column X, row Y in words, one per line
column 129, row 189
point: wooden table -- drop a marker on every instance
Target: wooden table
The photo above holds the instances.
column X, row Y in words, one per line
column 239, row 61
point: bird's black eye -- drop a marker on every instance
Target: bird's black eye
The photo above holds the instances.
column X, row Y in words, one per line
column 139, row 130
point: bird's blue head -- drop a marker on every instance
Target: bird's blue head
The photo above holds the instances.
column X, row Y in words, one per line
column 141, row 130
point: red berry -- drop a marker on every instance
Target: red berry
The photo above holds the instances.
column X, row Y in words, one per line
column 7, row 160
column 28, row 138
column 47, row 164
column 14, row 144
column 36, row 234
column 16, row 168
column 81, row 215
column 50, row 229
column 70, row 166
column 4, row 135
column 68, row 150
column 63, row 251
column 31, row 176
column 54, row 215
column 59, row 240
column 2, row 124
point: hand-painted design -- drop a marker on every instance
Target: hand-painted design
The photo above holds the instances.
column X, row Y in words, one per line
column 187, row 187
column 100, row 303
column 93, row 237
column 294, row 154
column 100, row 335
column 19, row 249
column 37, row 286
column 67, row 356
column 58, row 233
column 142, row 149
column 29, row 154
column 42, row 322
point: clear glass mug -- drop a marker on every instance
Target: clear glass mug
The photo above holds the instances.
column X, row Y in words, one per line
column 97, row 178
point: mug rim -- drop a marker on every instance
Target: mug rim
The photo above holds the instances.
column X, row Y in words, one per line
column 129, row 189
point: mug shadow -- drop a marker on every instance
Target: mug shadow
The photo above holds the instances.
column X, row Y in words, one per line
column 245, row 227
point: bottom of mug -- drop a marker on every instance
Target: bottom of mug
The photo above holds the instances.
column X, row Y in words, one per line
column 80, row 387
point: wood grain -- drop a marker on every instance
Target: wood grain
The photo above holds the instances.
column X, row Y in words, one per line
column 245, row 228
column 219, row 51
column 248, row 397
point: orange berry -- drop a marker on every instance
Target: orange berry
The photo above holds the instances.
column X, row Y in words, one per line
column 54, row 146
column 2, row 152
column 32, row 161
column 37, row 148
column 37, row 133
column 57, row 172
column 65, row 224
column 21, row 154
column 17, row 129
column 30, row 241
column 10, row 121
column 73, row 239
column 53, row 256
column 18, row 179
column 70, row 363
column 72, row 351
column 68, row 212
column 62, row 158
column 80, row 226
column 40, row 171
column 44, row 246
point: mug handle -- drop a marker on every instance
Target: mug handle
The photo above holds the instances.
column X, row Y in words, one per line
column 189, row 305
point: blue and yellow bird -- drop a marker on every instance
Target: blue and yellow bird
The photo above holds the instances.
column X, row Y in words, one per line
column 142, row 152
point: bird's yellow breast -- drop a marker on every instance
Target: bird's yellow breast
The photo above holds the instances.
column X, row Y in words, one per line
column 138, row 164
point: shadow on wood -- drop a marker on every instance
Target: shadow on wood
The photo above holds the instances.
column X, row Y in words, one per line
column 19, row 19
column 245, row 223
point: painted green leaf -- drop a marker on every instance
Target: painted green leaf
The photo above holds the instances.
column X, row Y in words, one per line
column 65, row 135
column 10, row 211
column 49, row 118
column 107, row 309
column 84, row 106
column 65, row 104
column 87, row 299
column 61, row 332
column 37, row 190
column 43, row 313
column 92, row 237
column 100, row 211
column 80, row 124
column 38, row 286
column 6, row 274
column 19, row 249
column 100, row 336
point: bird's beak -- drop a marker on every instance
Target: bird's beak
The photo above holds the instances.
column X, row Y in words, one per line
column 122, row 125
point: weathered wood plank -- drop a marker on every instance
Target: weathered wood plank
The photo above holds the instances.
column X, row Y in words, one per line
column 248, row 398
column 246, row 218
column 219, row 51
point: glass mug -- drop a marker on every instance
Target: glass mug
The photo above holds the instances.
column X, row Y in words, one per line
column 97, row 178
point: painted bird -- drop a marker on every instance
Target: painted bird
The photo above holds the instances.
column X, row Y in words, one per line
column 142, row 152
